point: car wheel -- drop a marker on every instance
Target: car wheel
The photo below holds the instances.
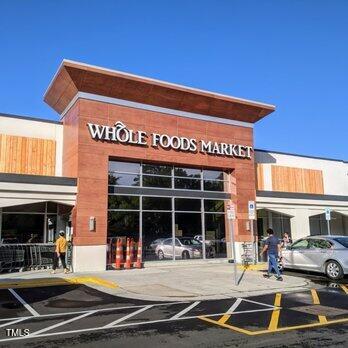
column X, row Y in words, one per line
column 160, row 255
column 185, row 255
column 333, row 270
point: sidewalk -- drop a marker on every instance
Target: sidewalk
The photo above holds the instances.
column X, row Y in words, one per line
column 175, row 282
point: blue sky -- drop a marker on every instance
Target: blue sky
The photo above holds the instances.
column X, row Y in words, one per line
column 290, row 53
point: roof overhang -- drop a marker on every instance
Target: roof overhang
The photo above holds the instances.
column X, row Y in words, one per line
column 73, row 77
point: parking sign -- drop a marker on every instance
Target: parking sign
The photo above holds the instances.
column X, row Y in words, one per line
column 327, row 214
column 251, row 210
column 231, row 211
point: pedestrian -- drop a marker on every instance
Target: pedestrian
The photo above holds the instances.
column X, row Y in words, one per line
column 286, row 240
column 272, row 246
column 59, row 253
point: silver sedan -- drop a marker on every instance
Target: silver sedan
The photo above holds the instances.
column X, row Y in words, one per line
column 324, row 254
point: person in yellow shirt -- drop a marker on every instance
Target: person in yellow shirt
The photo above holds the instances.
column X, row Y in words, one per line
column 59, row 253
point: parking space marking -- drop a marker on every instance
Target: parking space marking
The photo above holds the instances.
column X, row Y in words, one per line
column 185, row 310
column 130, row 315
column 281, row 329
column 96, row 310
column 25, row 304
column 273, row 324
column 60, row 324
column 344, row 288
column 13, row 322
column 316, row 301
column 227, row 316
column 315, row 296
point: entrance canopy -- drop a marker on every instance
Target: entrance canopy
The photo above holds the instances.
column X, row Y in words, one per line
column 73, row 77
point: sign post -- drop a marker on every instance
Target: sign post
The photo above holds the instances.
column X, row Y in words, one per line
column 252, row 217
column 328, row 218
column 231, row 216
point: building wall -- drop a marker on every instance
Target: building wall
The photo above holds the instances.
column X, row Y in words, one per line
column 331, row 176
column 326, row 179
column 91, row 164
column 30, row 146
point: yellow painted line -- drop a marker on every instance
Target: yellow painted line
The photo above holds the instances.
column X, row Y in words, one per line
column 235, row 328
column 224, row 318
column 273, row 324
column 103, row 282
column 322, row 319
column 316, row 301
column 315, row 296
column 344, row 288
column 282, row 329
column 32, row 283
column 258, row 267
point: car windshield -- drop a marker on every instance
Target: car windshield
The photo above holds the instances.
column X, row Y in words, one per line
column 342, row 240
column 189, row 241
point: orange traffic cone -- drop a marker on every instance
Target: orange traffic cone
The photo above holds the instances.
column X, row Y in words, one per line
column 131, row 250
column 139, row 263
column 128, row 264
column 119, row 254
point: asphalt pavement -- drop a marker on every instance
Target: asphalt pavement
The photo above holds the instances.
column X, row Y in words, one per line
column 76, row 314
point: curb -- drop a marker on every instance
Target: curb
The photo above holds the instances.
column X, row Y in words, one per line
column 31, row 283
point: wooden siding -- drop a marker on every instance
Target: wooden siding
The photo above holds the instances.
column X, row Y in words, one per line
column 22, row 155
column 289, row 179
column 260, row 181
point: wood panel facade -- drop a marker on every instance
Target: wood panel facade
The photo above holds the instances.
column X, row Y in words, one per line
column 24, row 155
column 260, row 179
column 289, row 179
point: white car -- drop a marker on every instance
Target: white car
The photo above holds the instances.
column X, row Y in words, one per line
column 323, row 254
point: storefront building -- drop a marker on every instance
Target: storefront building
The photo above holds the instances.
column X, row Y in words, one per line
column 145, row 159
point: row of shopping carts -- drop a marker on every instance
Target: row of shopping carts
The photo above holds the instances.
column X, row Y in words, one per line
column 14, row 257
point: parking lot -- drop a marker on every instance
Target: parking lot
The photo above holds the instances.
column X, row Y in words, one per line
column 30, row 315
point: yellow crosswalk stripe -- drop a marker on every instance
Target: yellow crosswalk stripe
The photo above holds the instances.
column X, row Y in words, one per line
column 315, row 296
column 344, row 288
column 273, row 324
column 316, row 301
column 224, row 318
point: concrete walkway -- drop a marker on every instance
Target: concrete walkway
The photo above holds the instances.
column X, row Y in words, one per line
column 175, row 282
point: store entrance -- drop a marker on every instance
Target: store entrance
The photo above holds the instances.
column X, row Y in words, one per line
column 280, row 223
column 182, row 216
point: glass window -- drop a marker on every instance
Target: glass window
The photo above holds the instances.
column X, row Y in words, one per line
column 343, row 241
column 52, row 207
column 30, row 208
column 157, row 181
column 213, row 174
column 168, row 241
column 319, row 244
column 187, row 172
column 301, row 244
column 22, row 228
column 212, row 185
column 123, row 202
column 124, row 179
column 187, row 184
column 157, row 227
column 129, row 167
column 215, row 241
column 157, row 169
column 157, row 203
column 215, row 206
column 123, row 224
column 188, row 227
column 183, row 204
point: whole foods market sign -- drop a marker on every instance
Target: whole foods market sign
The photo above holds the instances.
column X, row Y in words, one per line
column 119, row 133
